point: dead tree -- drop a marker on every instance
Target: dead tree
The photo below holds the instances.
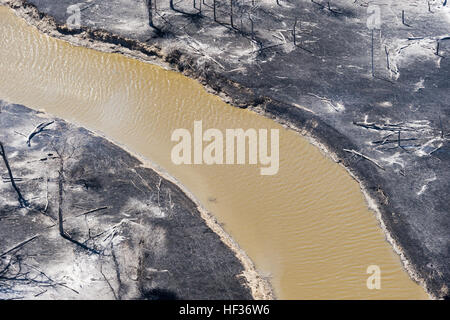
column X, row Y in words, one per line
column 231, row 13
column 372, row 54
column 442, row 127
column 194, row 4
column 15, row 270
column 62, row 157
column 23, row 203
column 150, row 13
column 387, row 58
column 319, row 4
column 251, row 26
column 293, row 32
column 214, row 9
column 172, row 7
column 404, row 19
column 333, row 10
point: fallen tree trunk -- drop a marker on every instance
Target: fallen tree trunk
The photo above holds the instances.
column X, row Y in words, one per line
column 38, row 130
column 364, row 157
column 19, row 245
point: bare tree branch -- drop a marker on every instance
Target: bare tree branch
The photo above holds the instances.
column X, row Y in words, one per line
column 19, row 245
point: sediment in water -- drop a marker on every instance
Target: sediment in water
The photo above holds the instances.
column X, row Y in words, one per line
column 294, row 117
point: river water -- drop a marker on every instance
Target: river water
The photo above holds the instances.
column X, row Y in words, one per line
column 307, row 228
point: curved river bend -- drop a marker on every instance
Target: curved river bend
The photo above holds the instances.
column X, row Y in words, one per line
column 308, row 228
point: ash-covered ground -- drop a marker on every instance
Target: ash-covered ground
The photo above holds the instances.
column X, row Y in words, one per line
column 308, row 63
column 94, row 223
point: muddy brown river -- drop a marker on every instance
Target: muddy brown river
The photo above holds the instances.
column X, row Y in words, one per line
column 307, row 228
